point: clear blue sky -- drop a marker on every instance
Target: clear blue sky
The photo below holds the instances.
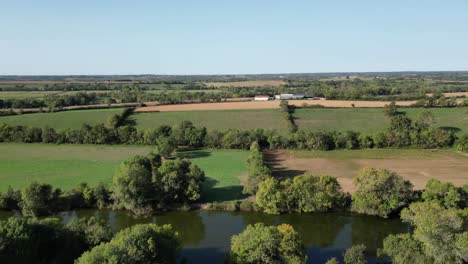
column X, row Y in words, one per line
column 227, row 37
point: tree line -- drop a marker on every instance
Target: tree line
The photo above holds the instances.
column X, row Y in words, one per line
column 403, row 132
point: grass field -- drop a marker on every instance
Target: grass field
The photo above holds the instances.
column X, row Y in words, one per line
column 369, row 120
column 66, row 166
column 418, row 166
column 61, row 120
column 220, row 120
column 32, row 94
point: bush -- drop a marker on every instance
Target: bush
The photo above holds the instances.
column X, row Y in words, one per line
column 267, row 244
column 380, row 192
column 355, row 255
column 142, row 243
column 39, row 199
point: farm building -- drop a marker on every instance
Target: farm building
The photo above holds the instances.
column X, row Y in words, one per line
column 262, row 98
column 289, row 96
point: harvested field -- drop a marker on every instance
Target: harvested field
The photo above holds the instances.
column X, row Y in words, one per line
column 459, row 94
column 265, row 105
column 418, row 166
column 247, row 83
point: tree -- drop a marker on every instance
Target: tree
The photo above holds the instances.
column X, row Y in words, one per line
column 178, row 180
column 166, row 146
column 380, row 192
column 38, row 199
column 391, row 109
column 132, row 185
column 92, row 230
column 444, row 193
column 402, row 249
column 439, row 230
column 314, row 193
column 257, row 170
column 355, row 255
column 267, row 244
column 29, row 240
column 142, row 243
column 270, row 196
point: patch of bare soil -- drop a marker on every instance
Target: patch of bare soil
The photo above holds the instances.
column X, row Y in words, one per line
column 445, row 168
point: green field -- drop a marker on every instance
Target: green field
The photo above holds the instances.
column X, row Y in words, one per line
column 370, row 120
column 61, row 120
column 220, row 120
column 66, row 166
column 366, row 120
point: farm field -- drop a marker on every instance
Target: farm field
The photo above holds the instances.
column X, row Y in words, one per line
column 266, row 105
column 66, row 166
column 369, row 120
column 247, row 83
column 219, row 120
column 21, row 94
column 61, row 120
column 418, row 166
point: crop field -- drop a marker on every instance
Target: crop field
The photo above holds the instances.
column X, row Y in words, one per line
column 66, row 166
column 220, row 120
column 418, row 166
column 372, row 120
column 247, row 83
column 61, row 120
column 266, row 105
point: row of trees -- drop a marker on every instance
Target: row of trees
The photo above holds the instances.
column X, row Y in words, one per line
column 286, row 110
column 53, row 102
column 141, row 185
column 378, row 192
column 403, row 132
column 257, row 171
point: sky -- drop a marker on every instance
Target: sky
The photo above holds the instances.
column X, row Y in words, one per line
column 231, row 37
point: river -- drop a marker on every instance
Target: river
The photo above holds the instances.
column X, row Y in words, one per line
column 206, row 235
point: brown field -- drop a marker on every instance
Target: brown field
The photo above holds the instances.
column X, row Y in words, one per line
column 247, row 83
column 264, row 105
column 418, row 166
column 457, row 94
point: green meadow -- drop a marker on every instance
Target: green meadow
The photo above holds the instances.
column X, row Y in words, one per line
column 66, row 166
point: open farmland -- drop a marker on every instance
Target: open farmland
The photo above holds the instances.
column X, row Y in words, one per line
column 265, row 105
column 66, row 166
column 247, row 83
column 61, row 120
column 373, row 119
column 418, row 166
column 219, row 120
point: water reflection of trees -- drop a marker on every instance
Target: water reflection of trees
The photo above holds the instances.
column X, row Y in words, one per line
column 371, row 231
column 189, row 225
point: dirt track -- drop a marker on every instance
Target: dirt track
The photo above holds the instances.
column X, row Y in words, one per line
column 452, row 168
column 265, row 105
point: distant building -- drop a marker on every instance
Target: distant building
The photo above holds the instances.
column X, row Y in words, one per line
column 262, row 98
column 284, row 96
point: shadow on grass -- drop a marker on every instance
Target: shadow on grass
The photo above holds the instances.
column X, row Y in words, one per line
column 451, row 129
column 220, row 194
column 274, row 159
column 193, row 154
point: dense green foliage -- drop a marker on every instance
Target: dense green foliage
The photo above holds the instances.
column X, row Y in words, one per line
column 444, row 193
column 403, row 132
column 355, row 255
column 303, row 194
column 267, row 244
column 440, row 236
column 24, row 240
column 147, row 243
column 256, row 169
column 39, row 199
column 142, row 184
column 380, row 192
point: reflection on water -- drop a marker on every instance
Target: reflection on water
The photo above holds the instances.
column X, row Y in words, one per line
column 206, row 235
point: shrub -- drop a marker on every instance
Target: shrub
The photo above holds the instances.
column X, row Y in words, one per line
column 380, row 192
